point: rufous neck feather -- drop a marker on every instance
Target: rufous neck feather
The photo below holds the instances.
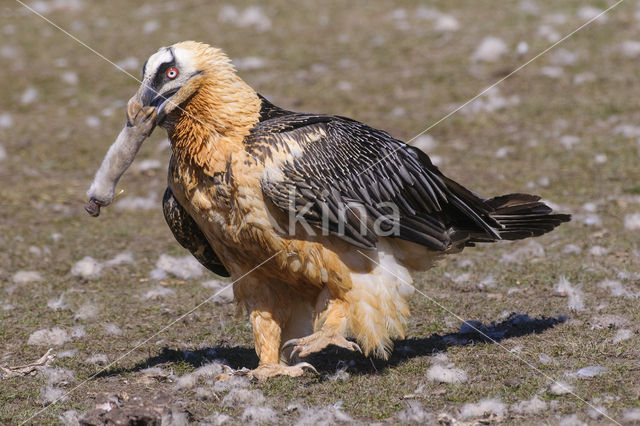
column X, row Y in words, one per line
column 212, row 123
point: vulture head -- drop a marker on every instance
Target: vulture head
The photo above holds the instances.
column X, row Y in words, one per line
column 192, row 90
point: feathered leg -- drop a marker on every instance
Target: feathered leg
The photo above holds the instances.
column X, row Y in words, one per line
column 332, row 322
column 268, row 314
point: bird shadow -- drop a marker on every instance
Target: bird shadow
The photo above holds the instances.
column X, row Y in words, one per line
column 333, row 359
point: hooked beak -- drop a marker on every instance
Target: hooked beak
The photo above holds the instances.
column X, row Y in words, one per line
column 147, row 96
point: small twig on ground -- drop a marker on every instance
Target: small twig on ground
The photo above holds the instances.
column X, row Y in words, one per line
column 28, row 369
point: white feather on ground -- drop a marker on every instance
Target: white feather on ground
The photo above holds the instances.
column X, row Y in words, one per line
column 483, row 408
column 87, row 268
column 559, row 388
column 259, row 415
column 111, row 329
column 443, row 371
column 414, row 413
column 632, row 221
column 49, row 337
column 217, row 296
column 97, row 359
column 87, row 311
column 528, row 251
column 490, row 49
column 532, row 406
column 242, row 397
column 25, row 277
column 186, row 267
column 190, row 380
column 158, row 292
column 622, row 335
column 575, row 296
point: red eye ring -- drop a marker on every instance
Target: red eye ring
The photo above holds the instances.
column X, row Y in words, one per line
column 172, row 73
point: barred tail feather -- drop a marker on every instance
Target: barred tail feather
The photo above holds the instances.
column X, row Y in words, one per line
column 523, row 216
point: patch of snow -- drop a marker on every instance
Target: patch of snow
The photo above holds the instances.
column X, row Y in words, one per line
column 532, row 406
column 565, row 289
column 87, row 268
column 483, row 408
column 49, row 337
column 29, row 96
column 25, row 277
column 531, row 250
column 111, row 329
column 559, row 388
column 490, row 49
column 182, row 267
column 158, row 292
column 97, row 359
column 622, row 335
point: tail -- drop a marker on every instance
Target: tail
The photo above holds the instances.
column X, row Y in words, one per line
column 518, row 216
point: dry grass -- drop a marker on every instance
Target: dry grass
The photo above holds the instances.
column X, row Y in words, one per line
column 397, row 73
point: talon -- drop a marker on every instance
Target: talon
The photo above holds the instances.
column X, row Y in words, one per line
column 355, row 347
column 306, row 365
column 289, row 343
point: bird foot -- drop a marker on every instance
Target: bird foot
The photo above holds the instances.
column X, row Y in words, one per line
column 316, row 342
column 142, row 119
column 266, row 371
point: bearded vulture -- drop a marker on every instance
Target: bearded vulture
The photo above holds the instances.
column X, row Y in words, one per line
column 339, row 212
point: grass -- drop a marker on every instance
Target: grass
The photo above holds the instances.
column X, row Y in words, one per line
column 389, row 63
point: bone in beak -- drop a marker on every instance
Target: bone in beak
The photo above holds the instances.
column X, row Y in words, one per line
column 140, row 125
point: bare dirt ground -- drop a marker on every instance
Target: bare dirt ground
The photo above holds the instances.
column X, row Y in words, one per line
column 561, row 308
